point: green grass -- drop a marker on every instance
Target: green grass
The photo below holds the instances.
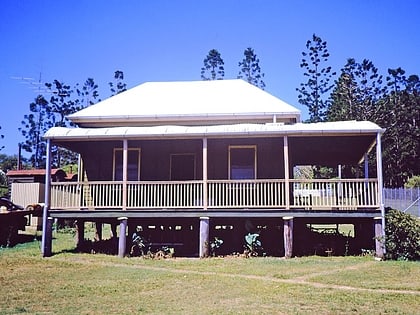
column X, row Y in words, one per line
column 70, row 283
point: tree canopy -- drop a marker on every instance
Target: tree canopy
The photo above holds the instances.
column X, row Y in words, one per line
column 118, row 86
column 213, row 68
column 313, row 92
column 1, row 137
column 250, row 69
column 88, row 93
column 360, row 92
column 401, row 117
column 51, row 110
column 356, row 93
column 34, row 125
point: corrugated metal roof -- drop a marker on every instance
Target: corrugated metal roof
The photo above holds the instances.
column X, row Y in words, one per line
column 342, row 127
column 33, row 172
column 158, row 102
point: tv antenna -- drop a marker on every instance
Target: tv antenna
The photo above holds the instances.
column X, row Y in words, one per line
column 37, row 86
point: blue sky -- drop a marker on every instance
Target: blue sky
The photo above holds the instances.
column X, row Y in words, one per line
column 168, row 40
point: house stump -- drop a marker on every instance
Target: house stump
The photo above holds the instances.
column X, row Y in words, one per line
column 288, row 236
column 204, row 237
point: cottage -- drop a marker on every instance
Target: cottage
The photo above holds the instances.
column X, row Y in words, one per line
column 188, row 161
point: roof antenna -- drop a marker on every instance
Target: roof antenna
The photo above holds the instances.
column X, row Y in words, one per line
column 36, row 86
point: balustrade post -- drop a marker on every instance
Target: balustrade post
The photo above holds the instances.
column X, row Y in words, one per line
column 366, row 166
column 286, row 171
column 380, row 182
column 205, row 187
column 125, row 162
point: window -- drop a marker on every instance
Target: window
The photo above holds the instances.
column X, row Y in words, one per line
column 133, row 164
column 243, row 162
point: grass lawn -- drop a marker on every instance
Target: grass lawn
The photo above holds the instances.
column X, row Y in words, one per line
column 70, row 283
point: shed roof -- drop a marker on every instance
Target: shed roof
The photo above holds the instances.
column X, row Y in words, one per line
column 186, row 102
column 33, row 172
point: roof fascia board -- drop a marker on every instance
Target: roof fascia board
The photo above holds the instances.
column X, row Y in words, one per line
column 179, row 119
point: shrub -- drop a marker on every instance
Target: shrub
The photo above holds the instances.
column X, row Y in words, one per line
column 252, row 247
column 413, row 182
column 215, row 244
column 402, row 241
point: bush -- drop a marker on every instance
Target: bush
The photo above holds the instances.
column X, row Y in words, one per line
column 402, row 241
column 413, row 182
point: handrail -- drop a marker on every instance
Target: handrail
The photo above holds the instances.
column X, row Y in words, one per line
column 335, row 180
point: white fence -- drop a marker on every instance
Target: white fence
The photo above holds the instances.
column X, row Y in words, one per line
column 403, row 199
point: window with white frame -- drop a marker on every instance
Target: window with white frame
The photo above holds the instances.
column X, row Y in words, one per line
column 133, row 164
column 243, row 162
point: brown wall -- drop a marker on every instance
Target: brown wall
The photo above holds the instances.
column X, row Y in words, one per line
column 155, row 157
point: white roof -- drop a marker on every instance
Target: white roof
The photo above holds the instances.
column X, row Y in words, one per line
column 155, row 103
column 324, row 128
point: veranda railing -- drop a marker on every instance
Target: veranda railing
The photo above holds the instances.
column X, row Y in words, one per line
column 335, row 193
column 246, row 193
column 221, row 194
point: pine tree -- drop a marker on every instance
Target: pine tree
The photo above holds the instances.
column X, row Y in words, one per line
column 312, row 93
column 46, row 114
column 35, row 125
column 357, row 93
column 213, row 68
column 400, row 118
column 88, row 93
column 1, row 137
column 250, row 69
column 118, row 86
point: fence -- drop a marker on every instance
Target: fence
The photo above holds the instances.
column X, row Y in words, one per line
column 404, row 199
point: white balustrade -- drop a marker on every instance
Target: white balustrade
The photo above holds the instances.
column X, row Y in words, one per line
column 246, row 193
column 330, row 194
column 335, row 193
